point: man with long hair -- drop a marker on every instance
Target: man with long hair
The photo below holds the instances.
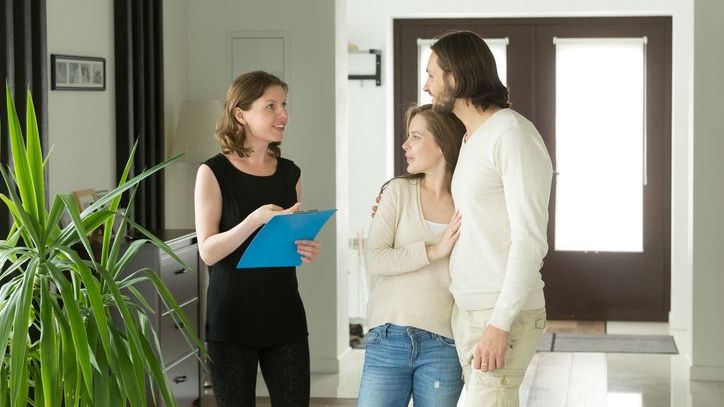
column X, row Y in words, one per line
column 501, row 186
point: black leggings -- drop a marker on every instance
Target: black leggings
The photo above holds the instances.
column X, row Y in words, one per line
column 285, row 369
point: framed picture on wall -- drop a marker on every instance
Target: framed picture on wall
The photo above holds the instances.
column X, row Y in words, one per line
column 68, row 72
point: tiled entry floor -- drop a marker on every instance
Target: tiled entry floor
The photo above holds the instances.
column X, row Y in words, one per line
column 561, row 379
column 552, row 380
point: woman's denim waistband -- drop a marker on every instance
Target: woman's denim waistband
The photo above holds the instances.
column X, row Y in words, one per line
column 388, row 329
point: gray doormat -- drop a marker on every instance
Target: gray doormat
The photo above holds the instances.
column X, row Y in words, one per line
column 560, row 342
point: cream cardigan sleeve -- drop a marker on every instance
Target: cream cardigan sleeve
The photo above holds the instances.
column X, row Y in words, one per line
column 391, row 246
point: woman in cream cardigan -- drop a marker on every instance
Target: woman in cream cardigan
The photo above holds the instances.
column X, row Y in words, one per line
column 409, row 347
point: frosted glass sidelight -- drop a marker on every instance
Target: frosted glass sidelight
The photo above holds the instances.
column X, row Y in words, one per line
column 498, row 46
column 600, row 144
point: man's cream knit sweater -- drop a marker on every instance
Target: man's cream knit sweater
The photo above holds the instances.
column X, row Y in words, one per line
column 501, row 187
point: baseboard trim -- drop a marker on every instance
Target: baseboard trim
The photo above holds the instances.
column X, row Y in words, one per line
column 676, row 324
column 324, row 365
column 328, row 365
column 707, row 373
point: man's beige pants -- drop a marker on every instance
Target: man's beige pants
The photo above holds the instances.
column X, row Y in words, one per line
column 498, row 388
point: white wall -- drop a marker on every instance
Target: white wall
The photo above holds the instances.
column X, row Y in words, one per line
column 370, row 107
column 708, row 192
column 681, row 173
column 311, row 139
column 81, row 123
column 342, row 168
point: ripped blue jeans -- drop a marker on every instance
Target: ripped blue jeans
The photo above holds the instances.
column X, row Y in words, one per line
column 402, row 361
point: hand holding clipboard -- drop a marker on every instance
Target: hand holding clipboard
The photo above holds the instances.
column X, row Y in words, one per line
column 274, row 245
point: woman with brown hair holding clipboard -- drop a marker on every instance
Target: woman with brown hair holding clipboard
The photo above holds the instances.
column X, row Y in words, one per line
column 255, row 317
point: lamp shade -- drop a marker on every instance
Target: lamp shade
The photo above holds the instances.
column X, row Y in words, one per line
column 195, row 130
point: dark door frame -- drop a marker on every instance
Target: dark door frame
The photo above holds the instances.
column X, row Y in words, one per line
column 601, row 286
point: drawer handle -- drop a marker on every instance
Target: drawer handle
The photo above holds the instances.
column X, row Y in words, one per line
column 180, row 325
column 179, row 271
column 180, row 379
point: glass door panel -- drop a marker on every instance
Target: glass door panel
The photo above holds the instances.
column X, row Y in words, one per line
column 498, row 47
column 600, row 144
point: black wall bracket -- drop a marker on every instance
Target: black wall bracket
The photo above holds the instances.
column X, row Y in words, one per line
column 377, row 77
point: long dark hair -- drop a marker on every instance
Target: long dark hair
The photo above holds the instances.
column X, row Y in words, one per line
column 465, row 56
column 447, row 130
column 242, row 92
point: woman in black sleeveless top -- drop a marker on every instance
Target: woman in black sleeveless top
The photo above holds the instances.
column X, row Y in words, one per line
column 254, row 316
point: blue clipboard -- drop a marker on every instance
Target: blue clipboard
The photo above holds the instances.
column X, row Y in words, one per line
column 274, row 245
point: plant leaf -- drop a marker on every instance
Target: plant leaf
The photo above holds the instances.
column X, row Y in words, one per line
column 102, row 385
column 191, row 337
column 6, row 312
column 25, row 224
column 79, row 227
column 160, row 244
column 93, row 292
column 126, row 371
column 56, row 212
column 49, row 366
column 142, row 301
column 128, row 255
column 4, row 391
column 115, row 202
column 77, row 328
column 20, row 157
column 69, row 363
column 131, row 329
column 112, row 265
column 18, row 346
column 154, row 368
column 12, row 255
column 35, row 158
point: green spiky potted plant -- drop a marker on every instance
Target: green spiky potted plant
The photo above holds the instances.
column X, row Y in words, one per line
column 59, row 344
